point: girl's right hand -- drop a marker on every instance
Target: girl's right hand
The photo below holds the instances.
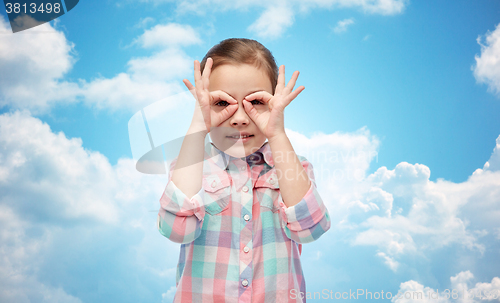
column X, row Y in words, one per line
column 204, row 118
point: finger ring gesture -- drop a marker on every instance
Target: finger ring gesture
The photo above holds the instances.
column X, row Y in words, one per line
column 270, row 118
column 204, row 118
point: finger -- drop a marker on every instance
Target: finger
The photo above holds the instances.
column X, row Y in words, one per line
column 190, row 87
column 221, row 95
column 291, row 83
column 206, row 73
column 227, row 112
column 294, row 94
column 281, row 80
column 197, row 74
column 188, row 84
column 250, row 109
column 261, row 96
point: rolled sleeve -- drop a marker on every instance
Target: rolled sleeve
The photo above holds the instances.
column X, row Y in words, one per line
column 307, row 220
column 180, row 219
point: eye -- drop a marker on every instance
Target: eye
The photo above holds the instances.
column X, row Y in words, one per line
column 222, row 103
column 255, row 102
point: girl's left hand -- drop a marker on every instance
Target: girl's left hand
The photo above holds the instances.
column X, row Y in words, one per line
column 271, row 122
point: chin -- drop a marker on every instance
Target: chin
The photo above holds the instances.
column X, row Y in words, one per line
column 238, row 149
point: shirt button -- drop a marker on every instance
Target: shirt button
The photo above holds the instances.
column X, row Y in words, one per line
column 243, row 168
column 272, row 181
column 245, row 189
column 246, row 217
column 244, row 283
column 214, row 184
column 246, row 249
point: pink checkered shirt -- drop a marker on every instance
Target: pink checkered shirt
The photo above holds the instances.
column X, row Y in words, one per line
column 240, row 243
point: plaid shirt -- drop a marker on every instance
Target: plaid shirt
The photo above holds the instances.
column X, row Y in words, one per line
column 240, row 243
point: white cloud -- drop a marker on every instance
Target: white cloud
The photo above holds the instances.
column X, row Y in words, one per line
column 156, row 2
column 273, row 22
column 36, row 61
column 342, row 25
column 60, row 173
column 18, row 262
column 487, row 68
column 169, row 295
column 460, row 290
column 430, row 215
column 383, row 7
column 390, row 262
column 493, row 164
column 124, row 91
column 278, row 16
column 73, row 228
column 33, row 62
column 489, row 291
column 166, row 65
column 144, row 22
column 169, row 35
column 413, row 292
column 399, row 212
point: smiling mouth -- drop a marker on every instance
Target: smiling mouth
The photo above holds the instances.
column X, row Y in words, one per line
column 239, row 136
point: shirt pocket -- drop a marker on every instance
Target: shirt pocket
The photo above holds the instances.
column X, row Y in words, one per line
column 268, row 192
column 217, row 188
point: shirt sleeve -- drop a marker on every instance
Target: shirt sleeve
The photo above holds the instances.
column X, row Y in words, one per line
column 307, row 220
column 180, row 219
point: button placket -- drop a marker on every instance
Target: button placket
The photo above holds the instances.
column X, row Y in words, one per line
column 239, row 175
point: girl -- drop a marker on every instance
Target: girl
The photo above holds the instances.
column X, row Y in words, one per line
column 242, row 206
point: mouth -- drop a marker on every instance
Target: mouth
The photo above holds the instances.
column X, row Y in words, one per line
column 240, row 136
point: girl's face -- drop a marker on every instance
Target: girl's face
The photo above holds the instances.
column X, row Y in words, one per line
column 238, row 136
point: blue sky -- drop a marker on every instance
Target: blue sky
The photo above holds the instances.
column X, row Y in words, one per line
column 410, row 87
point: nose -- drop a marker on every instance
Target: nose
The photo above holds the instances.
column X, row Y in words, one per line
column 240, row 117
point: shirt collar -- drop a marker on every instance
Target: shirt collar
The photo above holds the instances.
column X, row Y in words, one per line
column 222, row 159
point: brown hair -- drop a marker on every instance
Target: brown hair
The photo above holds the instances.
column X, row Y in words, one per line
column 243, row 51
